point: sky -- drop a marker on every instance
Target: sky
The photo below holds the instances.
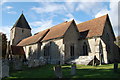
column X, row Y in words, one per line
column 42, row 15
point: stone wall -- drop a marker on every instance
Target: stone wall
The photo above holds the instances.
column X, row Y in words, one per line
column 108, row 41
column 55, row 50
column 32, row 51
column 17, row 34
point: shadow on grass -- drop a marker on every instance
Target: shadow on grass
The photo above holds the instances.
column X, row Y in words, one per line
column 93, row 73
column 81, row 72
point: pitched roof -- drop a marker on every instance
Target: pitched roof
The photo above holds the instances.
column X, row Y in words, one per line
column 17, row 50
column 53, row 32
column 94, row 27
column 57, row 31
column 33, row 39
column 22, row 23
column 89, row 28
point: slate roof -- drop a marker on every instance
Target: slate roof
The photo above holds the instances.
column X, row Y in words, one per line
column 22, row 23
column 94, row 27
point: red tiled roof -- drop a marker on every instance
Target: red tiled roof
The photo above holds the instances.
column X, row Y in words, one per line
column 17, row 50
column 53, row 32
column 33, row 39
column 95, row 26
column 57, row 31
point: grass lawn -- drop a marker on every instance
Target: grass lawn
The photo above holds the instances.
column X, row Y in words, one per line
column 102, row 71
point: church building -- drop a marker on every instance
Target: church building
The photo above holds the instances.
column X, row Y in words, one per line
column 68, row 41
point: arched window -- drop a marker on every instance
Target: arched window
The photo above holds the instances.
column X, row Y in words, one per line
column 85, row 49
column 72, row 50
column 46, row 51
column 22, row 30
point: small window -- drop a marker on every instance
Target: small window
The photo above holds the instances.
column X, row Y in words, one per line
column 22, row 30
column 72, row 50
column 46, row 51
column 85, row 49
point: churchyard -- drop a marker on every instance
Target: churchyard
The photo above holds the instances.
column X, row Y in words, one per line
column 67, row 71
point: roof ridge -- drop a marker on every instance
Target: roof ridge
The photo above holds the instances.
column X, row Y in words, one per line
column 93, row 19
column 54, row 26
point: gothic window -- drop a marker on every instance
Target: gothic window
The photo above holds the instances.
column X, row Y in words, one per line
column 85, row 49
column 30, row 51
column 72, row 50
column 46, row 51
column 22, row 30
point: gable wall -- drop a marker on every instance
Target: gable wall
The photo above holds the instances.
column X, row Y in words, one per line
column 107, row 29
column 71, row 37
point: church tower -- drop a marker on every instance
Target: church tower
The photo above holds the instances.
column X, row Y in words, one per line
column 20, row 30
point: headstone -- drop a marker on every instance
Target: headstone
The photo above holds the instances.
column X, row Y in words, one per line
column 73, row 69
column 115, row 67
column 17, row 64
column 5, row 68
column 36, row 63
column 30, row 63
column 58, row 71
column 42, row 61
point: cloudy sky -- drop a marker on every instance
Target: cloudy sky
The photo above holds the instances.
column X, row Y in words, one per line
column 42, row 15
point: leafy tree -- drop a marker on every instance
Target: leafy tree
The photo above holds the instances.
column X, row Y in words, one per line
column 4, row 44
column 117, row 42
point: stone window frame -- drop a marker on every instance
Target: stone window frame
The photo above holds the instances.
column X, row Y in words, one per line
column 46, row 51
column 85, row 49
column 22, row 30
column 72, row 50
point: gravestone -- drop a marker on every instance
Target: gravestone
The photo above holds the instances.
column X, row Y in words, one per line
column 42, row 61
column 5, row 68
column 17, row 64
column 36, row 63
column 115, row 67
column 73, row 69
column 58, row 71
column 30, row 63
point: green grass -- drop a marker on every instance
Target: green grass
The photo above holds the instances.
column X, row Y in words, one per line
column 102, row 71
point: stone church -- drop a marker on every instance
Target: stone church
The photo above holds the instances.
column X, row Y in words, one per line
column 66, row 42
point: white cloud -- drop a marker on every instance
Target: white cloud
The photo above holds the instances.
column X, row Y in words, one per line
column 70, row 17
column 113, row 14
column 41, row 25
column 9, row 7
column 90, row 8
column 12, row 12
column 48, row 7
column 36, row 23
column 101, row 13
